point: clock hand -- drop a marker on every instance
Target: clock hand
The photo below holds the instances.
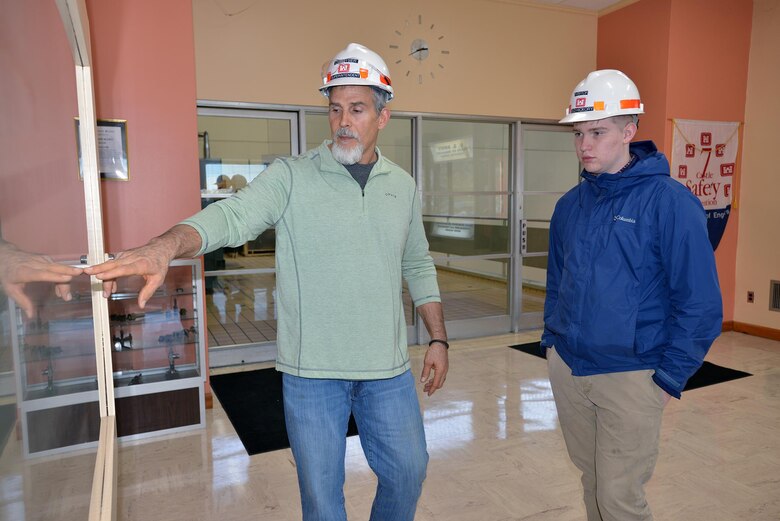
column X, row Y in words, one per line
column 421, row 49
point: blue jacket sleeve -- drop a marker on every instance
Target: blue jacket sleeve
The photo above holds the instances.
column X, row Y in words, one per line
column 696, row 310
column 554, row 268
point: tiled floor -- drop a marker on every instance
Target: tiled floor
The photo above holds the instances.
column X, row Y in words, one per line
column 496, row 454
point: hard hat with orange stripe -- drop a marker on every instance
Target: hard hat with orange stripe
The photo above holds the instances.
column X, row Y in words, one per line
column 356, row 65
column 603, row 94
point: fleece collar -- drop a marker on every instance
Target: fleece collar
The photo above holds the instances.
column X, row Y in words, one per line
column 329, row 164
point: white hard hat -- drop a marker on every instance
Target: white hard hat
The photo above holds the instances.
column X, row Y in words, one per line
column 603, row 94
column 356, row 65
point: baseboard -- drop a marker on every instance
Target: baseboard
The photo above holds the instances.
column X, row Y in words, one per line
column 727, row 326
column 209, row 398
column 761, row 331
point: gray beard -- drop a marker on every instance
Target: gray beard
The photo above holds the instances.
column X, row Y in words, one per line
column 346, row 156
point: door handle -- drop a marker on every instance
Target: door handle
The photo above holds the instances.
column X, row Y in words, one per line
column 523, row 236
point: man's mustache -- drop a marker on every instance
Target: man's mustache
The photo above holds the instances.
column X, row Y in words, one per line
column 345, row 132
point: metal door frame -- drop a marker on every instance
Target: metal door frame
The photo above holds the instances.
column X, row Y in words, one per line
column 530, row 320
column 239, row 354
column 103, row 499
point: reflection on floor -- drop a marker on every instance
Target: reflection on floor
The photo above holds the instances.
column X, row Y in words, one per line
column 241, row 309
column 496, row 454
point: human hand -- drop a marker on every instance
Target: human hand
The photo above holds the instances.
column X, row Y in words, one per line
column 18, row 268
column 149, row 261
column 436, row 359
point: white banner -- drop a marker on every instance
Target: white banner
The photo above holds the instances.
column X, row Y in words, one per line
column 704, row 156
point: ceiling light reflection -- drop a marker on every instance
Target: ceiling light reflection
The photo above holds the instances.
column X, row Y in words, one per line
column 451, row 423
column 230, row 463
column 537, row 406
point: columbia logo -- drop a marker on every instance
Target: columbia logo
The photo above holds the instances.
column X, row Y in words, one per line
column 388, row 194
column 624, row 219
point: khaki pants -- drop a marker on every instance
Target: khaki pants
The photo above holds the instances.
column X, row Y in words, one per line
column 611, row 424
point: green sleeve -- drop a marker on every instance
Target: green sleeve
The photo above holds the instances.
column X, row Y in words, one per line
column 248, row 213
column 417, row 265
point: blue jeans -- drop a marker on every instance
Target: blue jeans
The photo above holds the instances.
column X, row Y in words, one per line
column 390, row 426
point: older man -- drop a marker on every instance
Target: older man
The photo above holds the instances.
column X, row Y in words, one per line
column 348, row 229
column 633, row 302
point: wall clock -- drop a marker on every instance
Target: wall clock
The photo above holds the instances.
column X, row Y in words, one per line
column 418, row 50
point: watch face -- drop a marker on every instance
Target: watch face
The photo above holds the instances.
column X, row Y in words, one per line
column 418, row 50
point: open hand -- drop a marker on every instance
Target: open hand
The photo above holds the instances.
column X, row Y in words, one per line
column 18, row 268
column 149, row 261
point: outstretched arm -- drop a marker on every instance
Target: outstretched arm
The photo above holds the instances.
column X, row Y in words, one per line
column 149, row 261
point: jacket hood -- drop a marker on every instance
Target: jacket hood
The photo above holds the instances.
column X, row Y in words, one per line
column 648, row 162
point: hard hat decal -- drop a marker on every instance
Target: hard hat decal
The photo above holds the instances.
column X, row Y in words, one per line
column 345, row 75
column 385, row 79
column 364, row 73
column 345, row 60
column 598, row 105
column 580, row 102
column 629, row 104
column 581, row 93
column 343, row 67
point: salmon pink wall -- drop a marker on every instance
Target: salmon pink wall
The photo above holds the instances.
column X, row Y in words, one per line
column 41, row 196
column 145, row 73
column 635, row 40
column 708, row 67
column 689, row 59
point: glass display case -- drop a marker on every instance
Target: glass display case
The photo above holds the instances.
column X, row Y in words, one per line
column 157, row 356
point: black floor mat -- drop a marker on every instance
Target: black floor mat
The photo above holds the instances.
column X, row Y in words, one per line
column 708, row 373
column 252, row 401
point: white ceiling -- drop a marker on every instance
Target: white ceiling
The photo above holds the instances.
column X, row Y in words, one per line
column 591, row 5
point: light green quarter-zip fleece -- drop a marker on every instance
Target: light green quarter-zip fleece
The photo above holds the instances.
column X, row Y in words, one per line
column 341, row 253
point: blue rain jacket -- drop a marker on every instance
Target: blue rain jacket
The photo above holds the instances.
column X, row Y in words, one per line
column 631, row 278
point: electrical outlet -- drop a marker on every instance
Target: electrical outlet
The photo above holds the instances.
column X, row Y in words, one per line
column 751, row 297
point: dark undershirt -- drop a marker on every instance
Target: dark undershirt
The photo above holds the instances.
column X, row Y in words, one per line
column 360, row 172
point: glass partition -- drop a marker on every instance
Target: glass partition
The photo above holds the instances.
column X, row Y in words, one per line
column 473, row 288
column 237, row 145
column 549, row 160
column 241, row 308
column 550, row 169
column 48, row 386
column 473, row 181
column 465, row 184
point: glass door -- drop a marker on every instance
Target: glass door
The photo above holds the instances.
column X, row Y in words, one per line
column 464, row 177
column 236, row 146
column 548, row 169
